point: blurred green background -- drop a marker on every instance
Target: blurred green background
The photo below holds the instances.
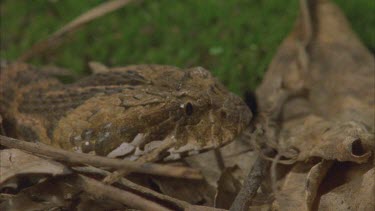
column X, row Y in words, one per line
column 235, row 39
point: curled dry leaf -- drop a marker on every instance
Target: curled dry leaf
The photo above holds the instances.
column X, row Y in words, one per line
column 15, row 162
column 318, row 72
column 331, row 140
column 301, row 185
column 317, row 98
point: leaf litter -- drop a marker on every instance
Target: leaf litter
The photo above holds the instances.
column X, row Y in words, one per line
column 316, row 110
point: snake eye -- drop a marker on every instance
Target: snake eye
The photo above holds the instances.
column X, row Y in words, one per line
column 189, row 109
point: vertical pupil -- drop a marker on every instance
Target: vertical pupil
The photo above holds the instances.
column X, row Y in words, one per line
column 189, row 109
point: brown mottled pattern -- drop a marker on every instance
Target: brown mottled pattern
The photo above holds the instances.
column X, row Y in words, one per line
column 104, row 110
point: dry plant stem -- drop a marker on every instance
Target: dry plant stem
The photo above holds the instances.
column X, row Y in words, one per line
column 57, row 37
column 100, row 190
column 98, row 161
column 273, row 174
column 180, row 205
column 133, row 186
column 252, row 183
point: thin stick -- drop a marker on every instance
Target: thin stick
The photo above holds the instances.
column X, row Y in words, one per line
column 100, row 190
column 56, row 38
column 133, row 186
column 98, row 161
column 178, row 204
column 252, row 183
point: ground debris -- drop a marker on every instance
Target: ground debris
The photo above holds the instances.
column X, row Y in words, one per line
column 311, row 146
column 317, row 109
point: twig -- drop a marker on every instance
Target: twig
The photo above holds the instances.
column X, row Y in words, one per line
column 252, row 183
column 56, row 38
column 138, row 188
column 98, row 161
column 179, row 205
column 100, row 190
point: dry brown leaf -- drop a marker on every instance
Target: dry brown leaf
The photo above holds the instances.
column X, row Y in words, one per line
column 15, row 162
column 237, row 158
column 239, row 154
column 301, row 185
column 313, row 136
column 48, row 195
column 358, row 194
column 328, row 73
column 235, row 153
column 194, row 192
column 318, row 99
column 330, row 68
column 208, row 166
column 227, row 188
column 341, row 71
column 56, row 194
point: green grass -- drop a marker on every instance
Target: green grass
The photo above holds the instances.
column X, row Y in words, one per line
column 235, row 39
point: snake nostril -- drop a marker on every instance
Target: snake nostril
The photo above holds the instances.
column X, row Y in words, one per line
column 223, row 114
